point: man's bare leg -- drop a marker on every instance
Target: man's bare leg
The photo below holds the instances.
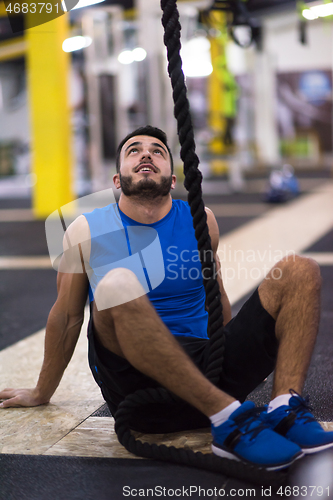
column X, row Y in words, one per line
column 134, row 331
column 291, row 295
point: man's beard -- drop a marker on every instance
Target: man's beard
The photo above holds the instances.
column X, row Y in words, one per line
column 146, row 189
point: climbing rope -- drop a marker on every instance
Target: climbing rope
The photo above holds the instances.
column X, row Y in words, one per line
column 192, row 182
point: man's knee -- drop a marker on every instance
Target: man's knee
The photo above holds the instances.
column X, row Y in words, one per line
column 119, row 286
column 291, row 277
column 299, row 270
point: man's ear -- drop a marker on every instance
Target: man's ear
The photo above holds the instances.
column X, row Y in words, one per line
column 116, row 180
column 174, row 180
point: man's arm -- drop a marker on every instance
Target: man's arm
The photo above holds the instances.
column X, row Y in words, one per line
column 63, row 324
column 215, row 236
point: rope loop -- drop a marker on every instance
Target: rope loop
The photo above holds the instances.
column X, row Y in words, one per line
column 183, row 456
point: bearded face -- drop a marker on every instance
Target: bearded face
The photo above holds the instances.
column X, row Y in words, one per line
column 145, row 171
column 147, row 188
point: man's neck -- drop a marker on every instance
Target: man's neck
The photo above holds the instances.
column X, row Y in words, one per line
column 143, row 211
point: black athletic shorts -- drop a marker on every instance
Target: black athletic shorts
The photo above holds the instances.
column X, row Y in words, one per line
column 249, row 357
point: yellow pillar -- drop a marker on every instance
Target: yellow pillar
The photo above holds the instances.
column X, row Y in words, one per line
column 215, row 89
column 48, row 82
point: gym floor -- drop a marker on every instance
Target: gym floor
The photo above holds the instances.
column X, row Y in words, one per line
column 68, row 449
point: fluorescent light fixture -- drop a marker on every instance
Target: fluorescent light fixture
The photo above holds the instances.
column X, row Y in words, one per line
column 309, row 15
column 196, row 57
column 315, row 11
column 76, row 43
column 129, row 56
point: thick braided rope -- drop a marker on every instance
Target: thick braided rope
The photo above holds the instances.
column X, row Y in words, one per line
column 193, row 180
column 185, row 456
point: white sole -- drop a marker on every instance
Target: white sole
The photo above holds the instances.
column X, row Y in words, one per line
column 226, row 454
column 309, row 451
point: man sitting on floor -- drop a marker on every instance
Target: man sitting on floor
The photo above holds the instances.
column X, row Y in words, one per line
column 139, row 340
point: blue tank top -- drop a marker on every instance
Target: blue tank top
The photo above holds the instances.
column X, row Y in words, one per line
column 164, row 257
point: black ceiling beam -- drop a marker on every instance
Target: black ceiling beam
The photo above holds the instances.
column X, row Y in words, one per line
column 255, row 5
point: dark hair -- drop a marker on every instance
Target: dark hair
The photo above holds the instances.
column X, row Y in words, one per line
column 147, row 130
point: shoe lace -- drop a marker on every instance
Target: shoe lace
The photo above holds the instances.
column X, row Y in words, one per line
column 249, row 417
column 302, row 408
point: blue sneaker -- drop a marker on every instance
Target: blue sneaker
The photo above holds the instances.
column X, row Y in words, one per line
column 244, row 437
column 296, row 423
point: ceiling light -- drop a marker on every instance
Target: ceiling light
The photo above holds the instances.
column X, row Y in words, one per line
column 309, row 15
column 129, row 56
column 76, row 43
column 126, row 57
column 139, row 54
column 315, row 11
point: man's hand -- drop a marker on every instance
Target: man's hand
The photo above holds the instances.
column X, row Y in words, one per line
column 15, row 398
